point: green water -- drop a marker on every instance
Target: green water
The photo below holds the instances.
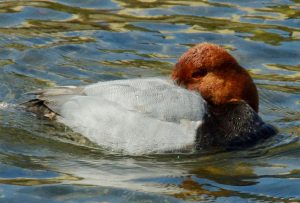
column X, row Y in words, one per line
column 60, row 42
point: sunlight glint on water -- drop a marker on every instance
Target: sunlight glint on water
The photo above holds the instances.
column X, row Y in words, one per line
column 48, row 43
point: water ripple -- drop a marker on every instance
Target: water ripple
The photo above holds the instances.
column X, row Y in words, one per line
column 47, row 43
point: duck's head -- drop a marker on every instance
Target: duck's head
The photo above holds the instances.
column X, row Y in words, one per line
column 231, row 119
column 215, row 74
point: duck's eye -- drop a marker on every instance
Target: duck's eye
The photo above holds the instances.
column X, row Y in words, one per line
column 199, row 73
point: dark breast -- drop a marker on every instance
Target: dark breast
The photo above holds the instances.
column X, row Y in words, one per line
column 233, row 126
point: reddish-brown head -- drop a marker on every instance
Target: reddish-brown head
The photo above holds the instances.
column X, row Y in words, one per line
column 212, row 71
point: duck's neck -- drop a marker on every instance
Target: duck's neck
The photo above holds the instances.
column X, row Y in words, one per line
column 232, row 126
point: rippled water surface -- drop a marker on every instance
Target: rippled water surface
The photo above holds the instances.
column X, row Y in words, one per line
column 59, row 42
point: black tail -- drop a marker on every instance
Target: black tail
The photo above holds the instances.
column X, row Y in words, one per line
column 40, row 108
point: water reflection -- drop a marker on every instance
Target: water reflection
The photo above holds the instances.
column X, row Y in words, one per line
column 48, row 43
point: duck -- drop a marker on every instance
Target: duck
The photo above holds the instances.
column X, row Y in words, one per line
column 208, row 102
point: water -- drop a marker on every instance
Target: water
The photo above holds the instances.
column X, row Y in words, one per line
column 48, row 43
